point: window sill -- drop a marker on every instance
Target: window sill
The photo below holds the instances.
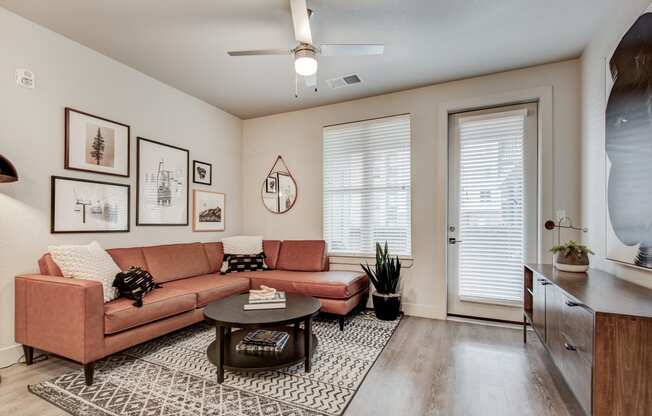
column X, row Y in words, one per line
column 356, row 259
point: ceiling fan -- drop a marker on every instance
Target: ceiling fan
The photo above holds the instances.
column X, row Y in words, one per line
column 305, row 53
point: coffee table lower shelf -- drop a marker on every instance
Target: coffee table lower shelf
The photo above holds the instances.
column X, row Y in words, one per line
column 293, row 353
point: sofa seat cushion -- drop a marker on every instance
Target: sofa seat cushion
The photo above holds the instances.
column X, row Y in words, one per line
column 211, row 287
column 121, row 314
column 331, row 285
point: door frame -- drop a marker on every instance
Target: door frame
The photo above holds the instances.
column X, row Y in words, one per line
column 545, row 175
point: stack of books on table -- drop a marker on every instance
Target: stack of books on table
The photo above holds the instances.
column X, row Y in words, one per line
column 262, row 340
column 265, row 298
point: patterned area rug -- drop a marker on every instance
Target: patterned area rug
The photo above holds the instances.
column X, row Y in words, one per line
column 171, row 375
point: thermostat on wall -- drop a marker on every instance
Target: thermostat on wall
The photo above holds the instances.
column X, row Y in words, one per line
column 25, row 78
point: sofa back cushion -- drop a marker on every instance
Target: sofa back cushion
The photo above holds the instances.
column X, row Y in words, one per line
column 48, row 267
column 128, row 257
column 215, row 255
column 303, row 256
column 176, row 261
column 271, row 249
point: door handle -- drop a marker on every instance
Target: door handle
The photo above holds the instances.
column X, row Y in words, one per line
column 453, row 240
column 573, row 304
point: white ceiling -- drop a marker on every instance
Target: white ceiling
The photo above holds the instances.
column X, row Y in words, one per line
column 183, row 42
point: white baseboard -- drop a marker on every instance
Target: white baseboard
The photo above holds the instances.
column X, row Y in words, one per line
column 10, row 355
column 422, row 311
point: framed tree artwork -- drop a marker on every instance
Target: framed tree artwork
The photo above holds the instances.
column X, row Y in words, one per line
column 202, row 172
column 96, row 144
column 84, row 206
column 163, row 179
column 208, row 211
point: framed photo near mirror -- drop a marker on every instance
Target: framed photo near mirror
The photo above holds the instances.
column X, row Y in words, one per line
column 279, row 189
column 209, row 211
column 162, row 184
column 96, row 144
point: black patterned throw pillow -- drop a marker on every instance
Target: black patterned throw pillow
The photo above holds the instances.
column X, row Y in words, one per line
column 245, row 262
column 134, row 284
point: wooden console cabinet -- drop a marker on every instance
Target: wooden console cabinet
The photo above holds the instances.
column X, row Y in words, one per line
column 598, row 330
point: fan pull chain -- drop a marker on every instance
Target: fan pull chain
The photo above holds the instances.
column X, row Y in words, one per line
column 296, row 85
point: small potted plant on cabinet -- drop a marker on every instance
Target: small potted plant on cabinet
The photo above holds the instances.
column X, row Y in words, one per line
column 571, row 257
column 384, row 277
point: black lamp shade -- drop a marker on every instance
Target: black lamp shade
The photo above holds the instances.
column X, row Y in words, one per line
column 7, row 171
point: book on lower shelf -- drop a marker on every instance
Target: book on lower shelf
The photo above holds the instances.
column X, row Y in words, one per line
column 262, row 340
column 263, row 306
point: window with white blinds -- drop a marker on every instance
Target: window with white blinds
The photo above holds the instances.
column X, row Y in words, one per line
column 367, row 186
column 492, row 199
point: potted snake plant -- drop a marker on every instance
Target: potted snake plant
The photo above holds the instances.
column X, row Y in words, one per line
column 385, row 276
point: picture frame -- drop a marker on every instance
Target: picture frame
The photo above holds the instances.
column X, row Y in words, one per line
column 96, row 144
column 163, row 184
column 271, row 184
column 202, row 172
column 86, row 206
column 209, row 211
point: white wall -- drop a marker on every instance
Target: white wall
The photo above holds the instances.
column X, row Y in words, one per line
column 32, row 137
column 297, row 137
column 593, row 136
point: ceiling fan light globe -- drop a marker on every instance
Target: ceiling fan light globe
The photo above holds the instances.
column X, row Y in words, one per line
column 305, row 66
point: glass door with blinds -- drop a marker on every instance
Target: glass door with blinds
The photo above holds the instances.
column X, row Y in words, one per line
column 492, row 209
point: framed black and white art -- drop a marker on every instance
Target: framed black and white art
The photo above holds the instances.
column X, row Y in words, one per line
column 84, row 206
column 208, row 211
column 163, row 179
column 96, row 144
column 202, row 172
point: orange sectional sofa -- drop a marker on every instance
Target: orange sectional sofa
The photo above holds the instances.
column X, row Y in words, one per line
column 67, row 317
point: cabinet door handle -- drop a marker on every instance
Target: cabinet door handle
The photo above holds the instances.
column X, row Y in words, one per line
column 569, row 347
column 545, row 283
column 573, row 304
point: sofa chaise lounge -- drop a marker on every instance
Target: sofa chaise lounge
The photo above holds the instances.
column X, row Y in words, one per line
column 67, row 317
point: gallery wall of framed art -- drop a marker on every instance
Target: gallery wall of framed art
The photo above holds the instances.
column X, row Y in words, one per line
column 98, row 145
column 163, row 188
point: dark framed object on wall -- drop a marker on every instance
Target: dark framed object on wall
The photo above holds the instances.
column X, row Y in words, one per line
column 163, row 183
column 85, row 206
column 202, row 172
column 96, row 144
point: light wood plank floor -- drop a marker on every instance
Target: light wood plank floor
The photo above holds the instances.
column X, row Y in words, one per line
column 428, row 368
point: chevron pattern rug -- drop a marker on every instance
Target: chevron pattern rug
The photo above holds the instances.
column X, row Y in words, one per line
column 171, row 375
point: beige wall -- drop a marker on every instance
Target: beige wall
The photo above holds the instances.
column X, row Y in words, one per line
column 297, row 137
column 31, row 136
column 593, row 136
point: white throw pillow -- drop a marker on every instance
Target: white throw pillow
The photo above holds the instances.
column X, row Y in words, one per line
column 88, row 262
column 243, row 244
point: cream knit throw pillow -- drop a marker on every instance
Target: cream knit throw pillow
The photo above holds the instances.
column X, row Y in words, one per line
column 243, row 244
column 88, row 262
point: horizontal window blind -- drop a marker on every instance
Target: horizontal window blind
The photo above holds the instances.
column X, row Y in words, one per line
column 492, row 224
column 367, row 186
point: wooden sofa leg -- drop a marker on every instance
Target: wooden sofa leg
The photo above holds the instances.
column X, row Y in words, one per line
column 89, row 369
column 29, row 354
column 341, row 319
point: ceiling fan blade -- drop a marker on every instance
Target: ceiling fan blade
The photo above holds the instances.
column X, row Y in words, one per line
column 333, row 49
column 260, row 52
column 310, row 81
column 301, row 21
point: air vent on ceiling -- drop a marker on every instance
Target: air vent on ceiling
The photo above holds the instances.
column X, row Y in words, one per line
column 343, row 81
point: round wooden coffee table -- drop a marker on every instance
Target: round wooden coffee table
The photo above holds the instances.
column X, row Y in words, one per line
column 229, row 313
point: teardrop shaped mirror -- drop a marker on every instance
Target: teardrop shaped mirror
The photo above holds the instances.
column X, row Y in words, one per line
column 279, row 190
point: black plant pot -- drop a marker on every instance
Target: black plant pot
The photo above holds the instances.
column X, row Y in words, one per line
column 387, row 307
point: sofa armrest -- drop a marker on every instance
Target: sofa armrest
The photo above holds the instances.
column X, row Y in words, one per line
column 61, row 315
